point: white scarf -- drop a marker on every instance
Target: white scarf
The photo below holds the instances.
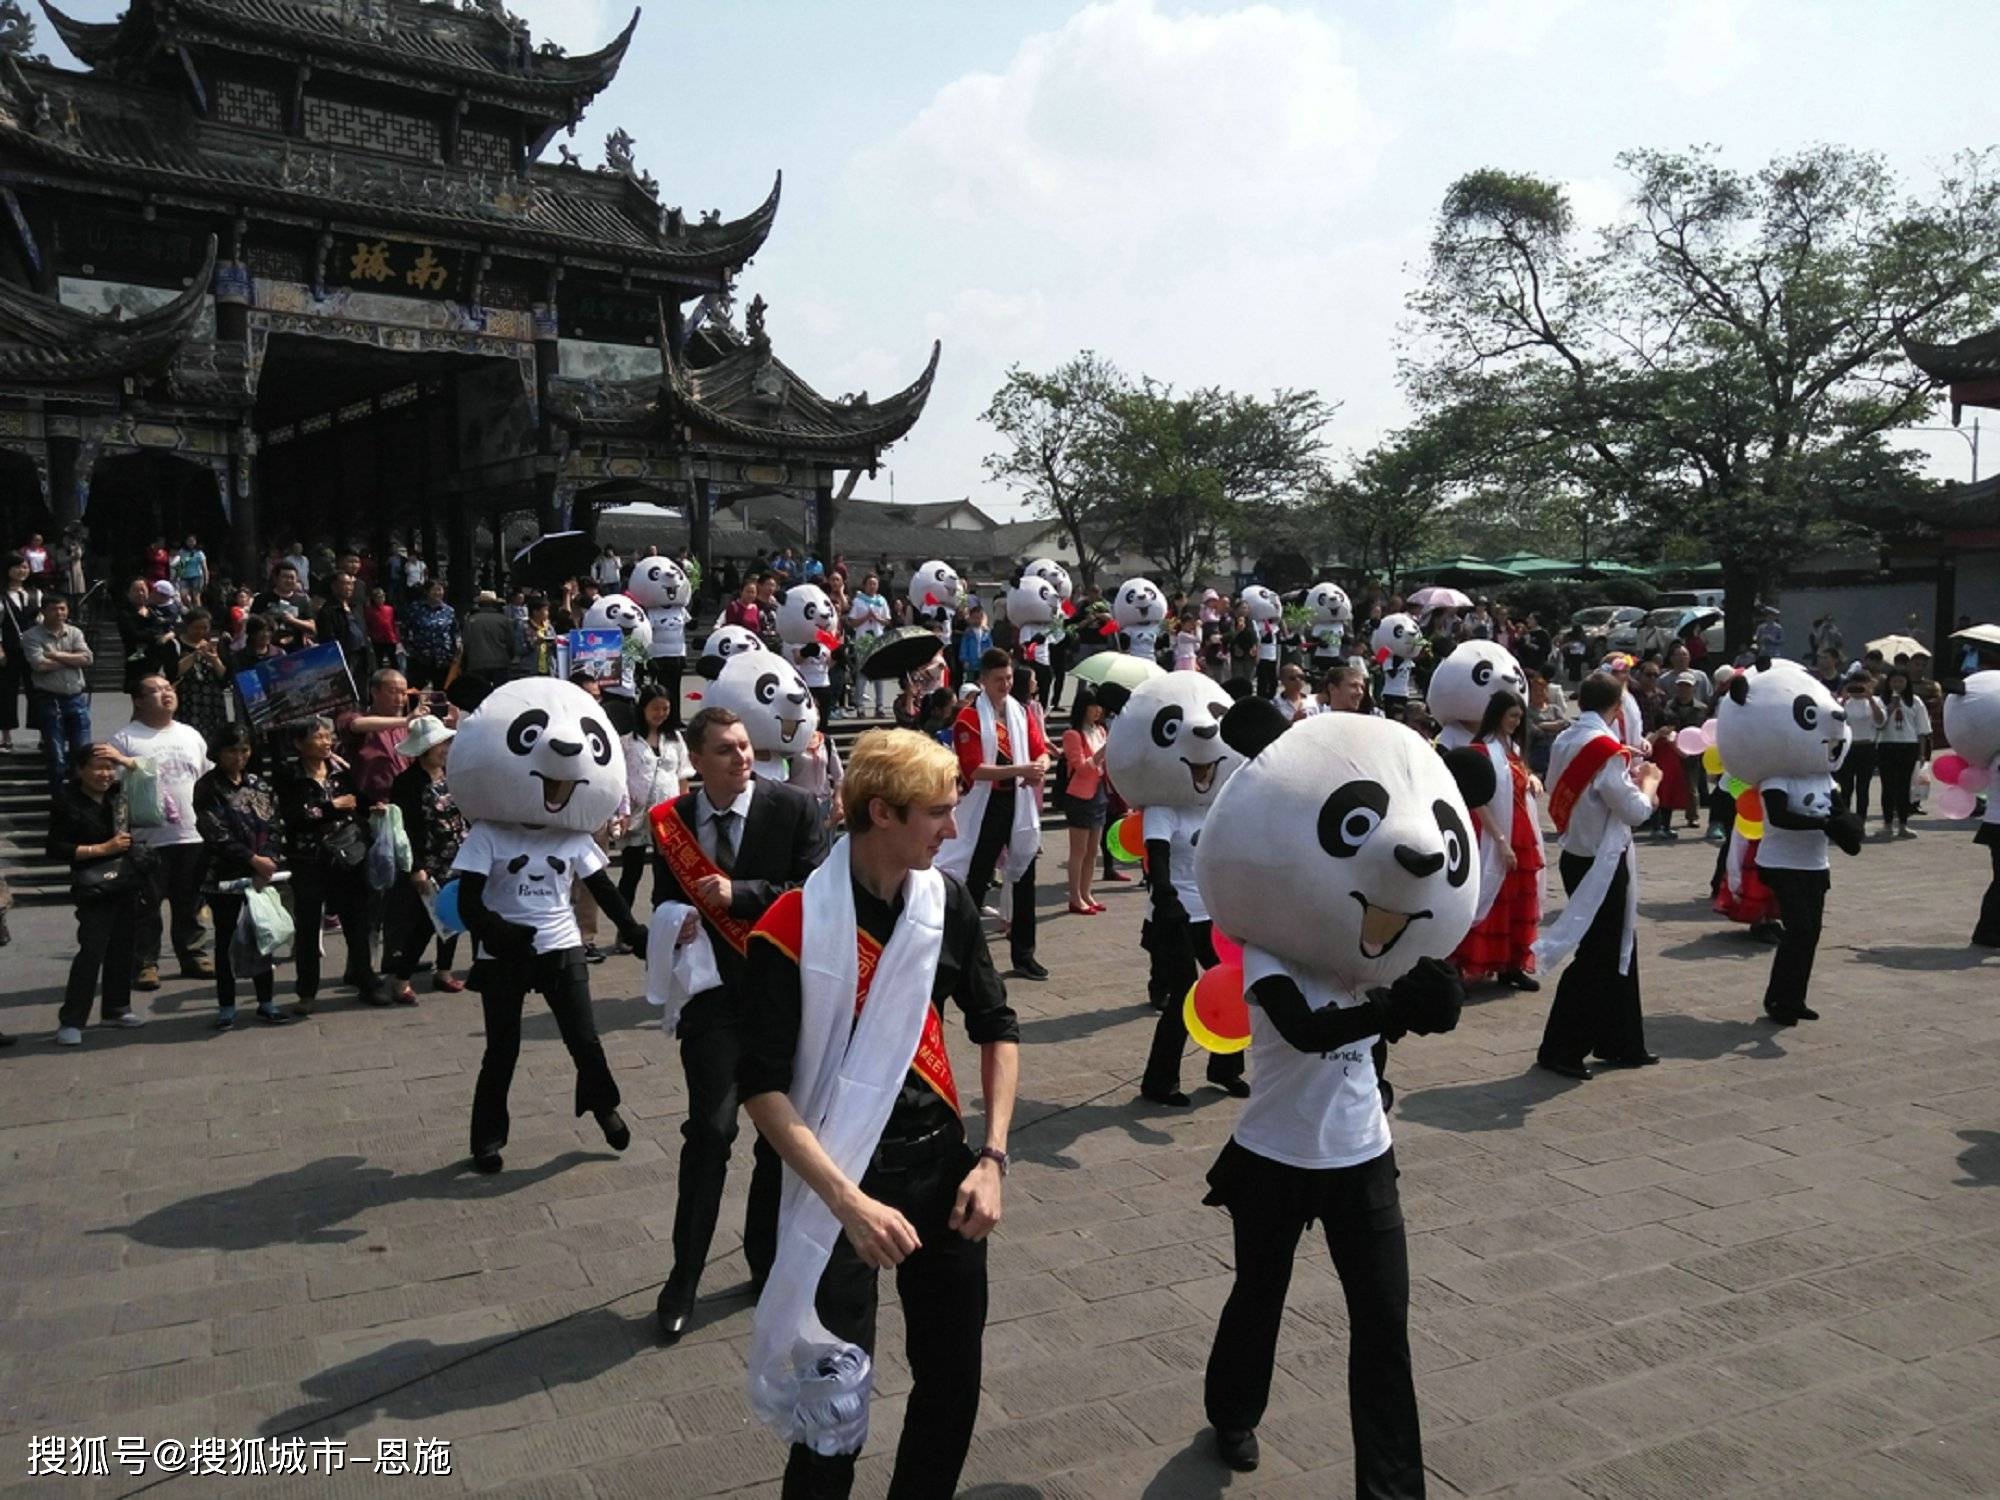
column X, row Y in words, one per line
column 1025, row 842
column 807, row 1385
column 1492, row 872
column 675, row 971
column 1562, row 936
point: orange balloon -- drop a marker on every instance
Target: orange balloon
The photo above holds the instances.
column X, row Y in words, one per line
column 1217, row 1015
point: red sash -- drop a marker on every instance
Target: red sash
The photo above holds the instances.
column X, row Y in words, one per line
column 1578, row 775
column 784, row 926
column 681, row 850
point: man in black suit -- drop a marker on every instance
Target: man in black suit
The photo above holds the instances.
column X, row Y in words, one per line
column 729, row 849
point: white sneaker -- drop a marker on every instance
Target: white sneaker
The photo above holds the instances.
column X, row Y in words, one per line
column 130, row 1021
column 69, row 1036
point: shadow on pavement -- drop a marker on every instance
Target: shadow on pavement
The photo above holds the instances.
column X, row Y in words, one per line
column 1704, row 1039
column 1980, row 1160
column 306, row 1205
column 1725, row 941
column 1501, row 1104
column 1923, row 960
column 1078, row 1025
column 418, row 1380
column 1194, row 1473
column 1042, row 1130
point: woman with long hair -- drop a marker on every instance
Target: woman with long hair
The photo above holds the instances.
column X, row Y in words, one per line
column 657, row 770
column 329, row 845
column 237, row 814
column 1501, row 942
column 1899, row 745
column 1084, row 796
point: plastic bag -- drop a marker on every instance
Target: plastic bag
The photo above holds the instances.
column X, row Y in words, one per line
column 143, row 801
column 271, row 923
column 381, row 862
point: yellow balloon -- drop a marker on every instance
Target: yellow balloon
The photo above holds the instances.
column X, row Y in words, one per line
column 1748, row 829
column 1711, row 761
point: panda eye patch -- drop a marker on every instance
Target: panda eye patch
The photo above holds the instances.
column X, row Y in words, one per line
column 767, row 687
column 1167, row 726
column 1805, row 712
column 1482, row 673
column 600, row 741
column 1457, row 848
column 526, row 732
column 1350, row 816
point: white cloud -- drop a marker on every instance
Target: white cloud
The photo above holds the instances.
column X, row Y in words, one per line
column 578, row 25
column 1703, row 45
column 1513, row 28
column 1598, row 202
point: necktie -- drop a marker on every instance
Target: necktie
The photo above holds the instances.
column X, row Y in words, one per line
column 725, row 841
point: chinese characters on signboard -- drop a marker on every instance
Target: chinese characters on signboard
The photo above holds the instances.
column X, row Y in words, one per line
column 409, row 270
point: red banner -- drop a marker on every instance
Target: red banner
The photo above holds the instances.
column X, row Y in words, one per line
column 681, row 850
column 932, row 1062
column 1577, row 777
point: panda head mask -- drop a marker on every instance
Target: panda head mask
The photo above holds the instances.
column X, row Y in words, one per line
column 537, row 751
column 1344, row 846
column 1329, row 604
column 1465, row 682
column 1166, row 747
column 1779, row 722
column 1972, row 720
column 724, row 642
column 1260, row 604
column 935, row 586
column 1397, row 636
column 657, row 583
column 1051, row 570
column 804, row 612
column 619, row 612
column 1033, row 601
column 1138, row 605
column 771, row 699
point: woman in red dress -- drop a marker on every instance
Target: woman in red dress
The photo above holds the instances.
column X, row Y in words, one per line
column 1501, row 942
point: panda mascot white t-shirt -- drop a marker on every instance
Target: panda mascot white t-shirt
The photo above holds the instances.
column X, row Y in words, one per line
column 659, row 587
column 773, row 702
column 1167, row 757
column 1138, row 609
column 536, row 770
column 1396, row 642
column 935, row 592
column 1340, row 856
column 1970, row 771
column 1332, row 613
column 1780, row 730
column 808, row 632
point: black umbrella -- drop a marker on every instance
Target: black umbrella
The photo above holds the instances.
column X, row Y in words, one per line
column 906, row 649
column 549, row 561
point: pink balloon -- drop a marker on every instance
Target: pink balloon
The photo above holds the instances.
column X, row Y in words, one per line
column 1691, row 741
column 1956, row 802
column 1974, row 779
column 1949, row 768
column 1227, row 949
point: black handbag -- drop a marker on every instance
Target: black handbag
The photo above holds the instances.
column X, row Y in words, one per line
column 106, row 880
column 343, row 846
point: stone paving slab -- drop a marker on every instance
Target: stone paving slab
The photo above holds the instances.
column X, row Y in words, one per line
column 1769, row 1267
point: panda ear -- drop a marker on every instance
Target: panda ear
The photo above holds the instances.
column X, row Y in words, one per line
column 1238, row 688
column 1473, row 772
column 781, row 597
column 467, row 691
column 709, row 667
column 1739, row 689
column 1250, row 725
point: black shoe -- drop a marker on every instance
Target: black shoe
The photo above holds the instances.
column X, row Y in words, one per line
column 617, row 1134
column 592, row 954
column 1027, row 968
column 6, row 1040
column 1517, row 979
column 1806, row 1013
column 1236, row 1088
column 1565, row 1069
column 1174, row 1099
column 1629, row 1060
column 486, row 1161
column 1783, row 1017
column 675, row 1310
column 1237, row 1449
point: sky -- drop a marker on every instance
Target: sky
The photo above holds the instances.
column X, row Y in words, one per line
column 1209, row 193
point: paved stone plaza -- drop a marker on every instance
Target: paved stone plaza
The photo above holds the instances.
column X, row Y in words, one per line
column 1770, row 1266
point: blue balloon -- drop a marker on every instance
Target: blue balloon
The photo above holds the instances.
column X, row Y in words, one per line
column 446, row 908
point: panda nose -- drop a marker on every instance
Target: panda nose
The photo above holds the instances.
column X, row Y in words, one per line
column 1207, row 731
column 566, row 747
column 1417, row 862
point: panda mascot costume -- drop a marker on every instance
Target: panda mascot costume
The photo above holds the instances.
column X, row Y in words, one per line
column 1266, row 613
column 1138, row 609
column 724, row 642
column 1057, row 637
column 1782, row 732
column 1735, row 889
column 1332, row 614
column 536, row 770
column 773, row 702
column 1396, row 642
column 1464, row 689
column 660, row 587
column 1967, row 772
column 935, row 592
column 1166, row 755
column 810, row 635
column 1033, row 609
column 623, row 613
column 1341, row 857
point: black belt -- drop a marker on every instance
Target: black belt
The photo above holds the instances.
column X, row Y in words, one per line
column 926, row 1150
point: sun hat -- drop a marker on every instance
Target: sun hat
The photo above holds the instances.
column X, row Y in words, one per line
column 425, row 732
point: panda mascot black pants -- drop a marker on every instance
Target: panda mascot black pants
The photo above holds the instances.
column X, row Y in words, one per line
column 1181, row 950
column 1987, row 933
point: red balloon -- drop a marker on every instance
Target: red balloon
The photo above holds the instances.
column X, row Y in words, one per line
column 1218, row 1017
column 1227, row 949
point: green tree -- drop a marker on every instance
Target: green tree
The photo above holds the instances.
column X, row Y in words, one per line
column 1727, row 362
column 1054, row 431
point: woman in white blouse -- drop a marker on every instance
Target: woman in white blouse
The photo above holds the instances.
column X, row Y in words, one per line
column 657, row 770
column 1865, row 718
column 1899, row 745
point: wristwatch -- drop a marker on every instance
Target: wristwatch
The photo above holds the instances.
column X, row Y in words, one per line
column 996, row 1156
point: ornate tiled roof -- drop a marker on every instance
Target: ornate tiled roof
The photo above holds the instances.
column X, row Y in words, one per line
column 86, row 126
column 43, row 341
column 1976, row 358
column 480, row 46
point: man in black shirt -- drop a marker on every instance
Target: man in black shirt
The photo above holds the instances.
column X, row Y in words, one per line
column 289, row 607
column 924, row 1201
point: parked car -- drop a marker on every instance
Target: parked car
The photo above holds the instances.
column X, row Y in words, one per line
column 1609, row 627
column 1662, row 627
column 1689, row 599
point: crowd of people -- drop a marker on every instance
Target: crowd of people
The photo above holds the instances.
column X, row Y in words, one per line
column 781, row 897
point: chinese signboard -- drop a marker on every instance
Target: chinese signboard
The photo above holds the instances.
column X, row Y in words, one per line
column 401, row 267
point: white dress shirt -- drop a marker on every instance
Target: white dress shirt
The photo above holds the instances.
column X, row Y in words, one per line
column 1612, row 793
column 708, row 812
